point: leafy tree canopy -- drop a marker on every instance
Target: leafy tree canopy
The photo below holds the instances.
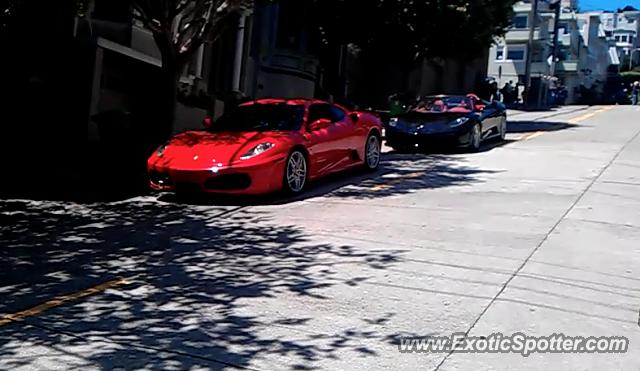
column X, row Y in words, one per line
column 415, row 28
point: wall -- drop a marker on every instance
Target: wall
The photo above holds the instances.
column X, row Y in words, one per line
column 281, row 84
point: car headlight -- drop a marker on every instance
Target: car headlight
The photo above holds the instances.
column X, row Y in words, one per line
column 160, row 150
column 393, row 122
column 458, row 122
column 260, row 148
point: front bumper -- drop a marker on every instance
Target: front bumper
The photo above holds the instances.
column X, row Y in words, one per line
column 454, row 138
column 256, row 179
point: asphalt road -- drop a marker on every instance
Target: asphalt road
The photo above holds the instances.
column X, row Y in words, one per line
column 536, row 235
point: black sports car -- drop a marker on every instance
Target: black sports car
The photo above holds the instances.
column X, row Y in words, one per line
column 460, row 121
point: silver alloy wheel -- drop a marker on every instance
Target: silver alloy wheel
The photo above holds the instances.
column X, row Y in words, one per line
column 296, row 174
column 476, row 136
column 372, row 152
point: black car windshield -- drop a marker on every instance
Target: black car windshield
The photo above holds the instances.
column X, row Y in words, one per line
column 444, row 104
column 261, row 117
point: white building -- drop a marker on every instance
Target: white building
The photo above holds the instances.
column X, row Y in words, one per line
column 583, row 57
column 624, row 28
column 508, row 56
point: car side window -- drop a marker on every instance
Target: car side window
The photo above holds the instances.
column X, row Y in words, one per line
column 320, row 111
column 337, row 114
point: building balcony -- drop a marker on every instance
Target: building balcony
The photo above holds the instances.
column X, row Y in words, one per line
column 567, row 66
column 522, row 35
column 539, row 68
column 293, row 62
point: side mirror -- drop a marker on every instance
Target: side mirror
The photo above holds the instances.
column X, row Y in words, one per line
column 319, row 124
column 354, row 117
column 207, row 122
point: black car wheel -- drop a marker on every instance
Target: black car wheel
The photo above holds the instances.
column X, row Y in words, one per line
column 502, row 129
column 295, row 172
column 475, row 139
column 372, row 151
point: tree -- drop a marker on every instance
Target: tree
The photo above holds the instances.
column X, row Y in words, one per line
column 404, row 32
column 415, row 29
column 8, row 16
column 179, row 28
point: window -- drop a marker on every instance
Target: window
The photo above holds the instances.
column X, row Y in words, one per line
column 290, row 25
column 261, row 117
column 617, row 37
column 520, row 21
column 515, row 53
column 500, row 53
column 337, row 114
column 325, row 111
column 115, row 11
column 563, row 29
column 320, row 111
column 537, row 55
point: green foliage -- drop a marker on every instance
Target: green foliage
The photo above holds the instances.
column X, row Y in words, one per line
column 8, row 11
column 82, row 7
column 415, row 28
column 630, row 75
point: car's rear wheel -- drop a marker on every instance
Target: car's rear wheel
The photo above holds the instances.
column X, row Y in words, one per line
column 295, row 173
column 372, row 151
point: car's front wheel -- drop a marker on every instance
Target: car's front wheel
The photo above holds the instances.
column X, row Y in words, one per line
column 475, row 139
column 295, row 173
column 372, row 150
column 503, row 128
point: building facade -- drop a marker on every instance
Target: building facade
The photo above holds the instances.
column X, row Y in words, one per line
column 624, row 28
column 508, row 56
column 584, row 54
column 262, row 56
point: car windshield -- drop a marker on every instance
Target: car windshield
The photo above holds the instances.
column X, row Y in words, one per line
column 261, row 117
column 444, row 104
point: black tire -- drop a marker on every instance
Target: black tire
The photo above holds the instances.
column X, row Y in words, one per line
column 295, row 177
column 372, row 152
column 502, row 129
column 475, row 140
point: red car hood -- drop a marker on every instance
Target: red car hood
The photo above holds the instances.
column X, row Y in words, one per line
column 202, row 150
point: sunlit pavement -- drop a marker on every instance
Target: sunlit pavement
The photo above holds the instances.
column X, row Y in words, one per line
column 537, row 235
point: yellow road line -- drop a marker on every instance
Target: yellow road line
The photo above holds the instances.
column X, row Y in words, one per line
column 580, row 118
column 589, row 115
column 60, row 300
column 532, row 135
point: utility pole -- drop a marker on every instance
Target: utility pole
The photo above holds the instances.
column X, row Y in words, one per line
column 533, row 17
column 556, row 40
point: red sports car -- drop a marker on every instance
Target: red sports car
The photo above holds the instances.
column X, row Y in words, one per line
column 265, row 146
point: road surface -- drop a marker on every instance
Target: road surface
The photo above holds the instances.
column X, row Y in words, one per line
column 537, row 235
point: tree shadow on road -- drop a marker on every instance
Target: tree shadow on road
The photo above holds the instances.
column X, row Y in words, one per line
column 402, row 173
column 198, row 283
column 399, row 173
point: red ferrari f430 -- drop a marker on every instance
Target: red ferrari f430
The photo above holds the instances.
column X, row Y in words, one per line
column 266, row 146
